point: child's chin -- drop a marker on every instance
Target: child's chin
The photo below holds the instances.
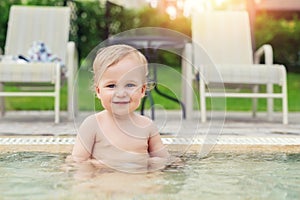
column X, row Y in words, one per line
column 121, row 112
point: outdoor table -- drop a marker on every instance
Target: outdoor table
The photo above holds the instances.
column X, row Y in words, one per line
column 150, row 46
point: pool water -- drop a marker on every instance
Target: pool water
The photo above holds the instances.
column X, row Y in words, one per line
column 41, row 175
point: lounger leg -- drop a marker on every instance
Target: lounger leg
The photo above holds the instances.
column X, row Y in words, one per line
column 202, row 100
column 285, row 110
column 254, row 101
column 72, row 96
column 57, row 95
column 56, row 110
column 284, row 104
column 270, row 102
column 2, row 101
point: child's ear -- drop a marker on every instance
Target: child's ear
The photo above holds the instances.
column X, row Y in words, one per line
column 98, row 92
column 144, row 88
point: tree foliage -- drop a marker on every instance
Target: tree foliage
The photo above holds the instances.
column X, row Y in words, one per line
column 4, row 10
column 283, row 35
column 90, row 23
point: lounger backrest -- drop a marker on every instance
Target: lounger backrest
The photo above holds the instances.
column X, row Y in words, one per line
column 38, row 23
column 225, row 36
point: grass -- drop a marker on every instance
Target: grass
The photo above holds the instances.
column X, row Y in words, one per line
column 169, row 82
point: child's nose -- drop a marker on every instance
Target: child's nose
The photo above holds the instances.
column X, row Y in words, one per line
column 121, row 92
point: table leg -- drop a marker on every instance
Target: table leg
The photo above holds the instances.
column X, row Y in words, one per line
column 148, row 95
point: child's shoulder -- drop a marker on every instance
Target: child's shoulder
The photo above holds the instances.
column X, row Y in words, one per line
column 89, row 121
column 144, row 119
column 146, row 122
column 93, row 117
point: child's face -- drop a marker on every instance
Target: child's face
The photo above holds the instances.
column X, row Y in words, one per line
column 122, row 86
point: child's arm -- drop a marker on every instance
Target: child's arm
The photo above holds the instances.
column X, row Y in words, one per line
column 85, row 140
column 159, row 155
column 79, row 152
column 156, row 147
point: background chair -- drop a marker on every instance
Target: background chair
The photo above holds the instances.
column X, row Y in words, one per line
column 225, row 36
column 49, row 25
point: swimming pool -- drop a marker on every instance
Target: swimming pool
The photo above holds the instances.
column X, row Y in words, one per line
column 35, row 168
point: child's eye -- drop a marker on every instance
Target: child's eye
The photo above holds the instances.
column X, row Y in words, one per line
column 130, row 85
column 111, row 86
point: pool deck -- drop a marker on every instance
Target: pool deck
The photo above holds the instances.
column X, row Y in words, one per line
column 36, row 131
column 169, row 122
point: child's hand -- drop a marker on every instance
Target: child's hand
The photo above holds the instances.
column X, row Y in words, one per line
column 175, row 161
column 156, row 163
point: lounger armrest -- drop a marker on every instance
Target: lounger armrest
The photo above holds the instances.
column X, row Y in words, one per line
column 72, row 59
column 72, row 66
column 187, row 79
column 266, row 50
column 187, row 62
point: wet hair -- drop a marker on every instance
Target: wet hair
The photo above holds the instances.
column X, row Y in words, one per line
column 111, row 55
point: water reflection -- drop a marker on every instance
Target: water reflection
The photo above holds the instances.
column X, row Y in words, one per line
column 37, row 175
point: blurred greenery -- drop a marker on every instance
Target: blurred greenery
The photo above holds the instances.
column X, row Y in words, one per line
column 90, row 24
column 169, row 87
column 283, row 35
column 4, row 10
column 89, row 28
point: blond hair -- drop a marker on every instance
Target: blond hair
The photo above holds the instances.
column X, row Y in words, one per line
column 111, row 55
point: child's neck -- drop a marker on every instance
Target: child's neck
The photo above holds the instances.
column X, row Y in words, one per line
column 124, row 117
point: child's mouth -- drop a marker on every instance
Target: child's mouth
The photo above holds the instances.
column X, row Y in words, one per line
column 121, row 102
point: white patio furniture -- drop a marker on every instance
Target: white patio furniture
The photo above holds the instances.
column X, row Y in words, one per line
column 49, row 25
column 225, row 37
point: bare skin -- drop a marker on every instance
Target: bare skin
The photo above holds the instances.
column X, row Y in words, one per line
column 118, row 137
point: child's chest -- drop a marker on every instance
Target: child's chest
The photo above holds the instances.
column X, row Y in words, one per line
column 129, row 138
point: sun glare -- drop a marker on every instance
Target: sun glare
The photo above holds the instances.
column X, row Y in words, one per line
column 172, row 12
column 175, row 8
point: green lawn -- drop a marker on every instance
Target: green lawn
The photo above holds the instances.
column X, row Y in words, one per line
column 169, row 82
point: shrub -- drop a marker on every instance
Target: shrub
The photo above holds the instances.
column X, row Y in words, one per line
column 283, row 35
